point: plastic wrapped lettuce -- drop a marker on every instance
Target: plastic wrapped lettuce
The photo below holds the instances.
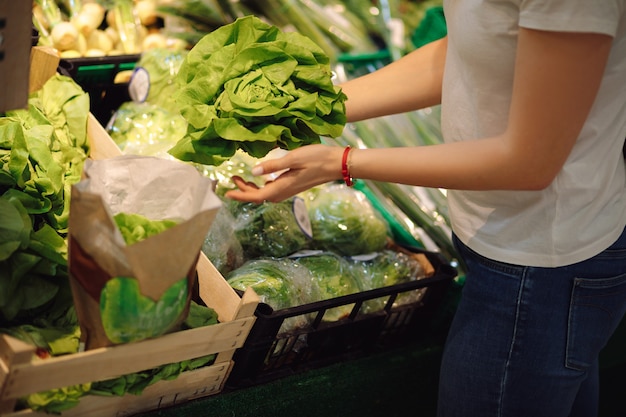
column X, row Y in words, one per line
column 385, row 268
column 344, row 221
column 162, row 66
column 249, row 86
column 280, row 283
column 271, row 229
column 146, row 129
column 221, row 245
column 333, row 277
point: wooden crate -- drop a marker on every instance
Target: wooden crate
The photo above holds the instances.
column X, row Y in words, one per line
column 23, row 373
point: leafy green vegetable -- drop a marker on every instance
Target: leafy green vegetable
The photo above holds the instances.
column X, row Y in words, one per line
column 146, row 129
column 135, row 227
column 344, row 221
column 268, row 229
column 385, row 268
column 42, row 151
column 269, row 279
column 332, row 275
column 249, row 86
column 162, row 66
column 128, row 315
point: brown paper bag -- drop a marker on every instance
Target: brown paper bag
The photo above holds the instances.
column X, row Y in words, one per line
column 103, row 267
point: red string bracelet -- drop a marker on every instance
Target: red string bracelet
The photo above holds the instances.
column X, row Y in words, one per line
column 345, row 169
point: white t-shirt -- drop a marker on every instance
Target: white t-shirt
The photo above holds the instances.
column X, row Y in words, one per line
column 583, row 211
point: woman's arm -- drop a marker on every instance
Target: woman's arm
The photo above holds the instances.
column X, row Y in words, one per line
column 410, row 83
column 557, row 76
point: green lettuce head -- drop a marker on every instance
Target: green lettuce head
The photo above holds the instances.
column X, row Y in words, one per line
column 249, row 86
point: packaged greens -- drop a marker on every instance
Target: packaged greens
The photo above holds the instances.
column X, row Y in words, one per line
column 280, row 283
column 271, row 229
column 385, row 268
column 162, row 66
column 344, row 221
column 146, row 129
column 221, row 245
column 249, row 86
column 333, row 278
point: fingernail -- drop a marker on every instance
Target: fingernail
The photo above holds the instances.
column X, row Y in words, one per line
column 257, row 170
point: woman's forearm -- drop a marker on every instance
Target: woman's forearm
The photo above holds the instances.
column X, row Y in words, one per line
column 387, row 90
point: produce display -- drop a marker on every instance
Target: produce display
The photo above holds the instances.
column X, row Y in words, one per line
column 230, row 82
column 43, row 151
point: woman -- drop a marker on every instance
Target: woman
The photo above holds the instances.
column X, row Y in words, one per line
column 533, row 100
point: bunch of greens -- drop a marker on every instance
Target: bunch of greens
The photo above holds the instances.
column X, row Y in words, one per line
column 344, row 221
column 268, row 229
column 221, row 245
column 146, row 129
column 162, row 65
column 249, row 86
column 42, row 151
column 333, row 278
column 136, row 227
column 280, row 283
column 127, row 315
column 385, row 268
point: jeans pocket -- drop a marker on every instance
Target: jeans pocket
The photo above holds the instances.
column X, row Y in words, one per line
column 597, row 306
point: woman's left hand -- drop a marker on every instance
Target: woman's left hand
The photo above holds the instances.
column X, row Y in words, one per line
column 303, row 168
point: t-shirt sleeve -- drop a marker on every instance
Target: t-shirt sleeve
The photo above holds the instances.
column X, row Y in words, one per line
column 589, row 16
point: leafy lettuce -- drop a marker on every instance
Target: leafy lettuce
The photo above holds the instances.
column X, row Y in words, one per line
column 249, row 86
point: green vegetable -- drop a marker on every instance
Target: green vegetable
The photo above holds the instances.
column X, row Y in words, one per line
column 383, row 269
column 249, row 86
column 162, row 66
column 344, row 221
column 146, row 129
column 135, row 227
column 42, row 151
column 269, row 278
column 128, row 316
column 268, row 229
column 333, row 277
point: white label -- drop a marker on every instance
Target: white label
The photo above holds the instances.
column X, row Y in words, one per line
column 139, row 85
column 302, row 216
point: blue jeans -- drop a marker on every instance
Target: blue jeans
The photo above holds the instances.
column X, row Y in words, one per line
column 524, row 341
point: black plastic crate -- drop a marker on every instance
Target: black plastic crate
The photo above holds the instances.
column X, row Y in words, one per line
column 270, row 353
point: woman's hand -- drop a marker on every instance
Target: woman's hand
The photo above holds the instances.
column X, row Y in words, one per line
column 303, row 168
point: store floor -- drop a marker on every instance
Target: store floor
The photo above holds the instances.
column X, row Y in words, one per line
column 385, row 384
